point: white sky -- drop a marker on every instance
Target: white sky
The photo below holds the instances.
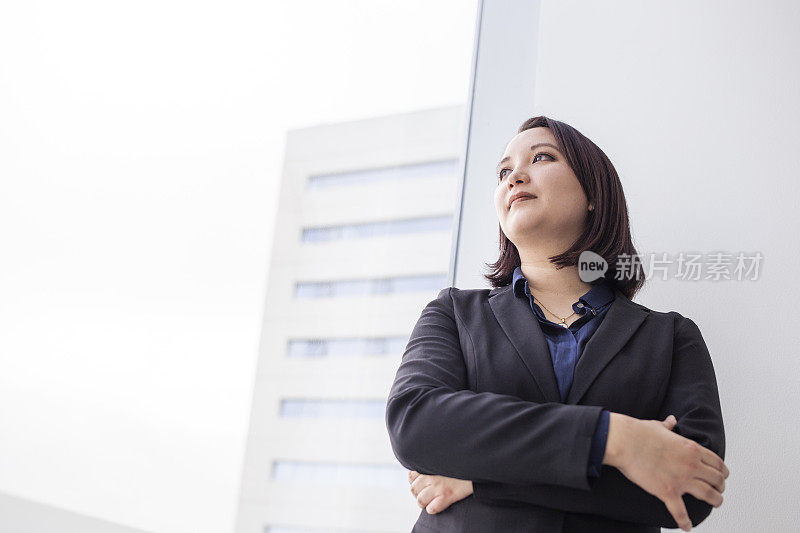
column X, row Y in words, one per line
column 141, row 147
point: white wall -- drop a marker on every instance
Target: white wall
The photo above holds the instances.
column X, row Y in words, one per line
column 696, row 105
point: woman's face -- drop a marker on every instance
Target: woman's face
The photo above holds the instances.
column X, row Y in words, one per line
column 558, row 212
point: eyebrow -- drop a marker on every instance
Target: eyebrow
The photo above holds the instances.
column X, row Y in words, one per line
column 534, row 147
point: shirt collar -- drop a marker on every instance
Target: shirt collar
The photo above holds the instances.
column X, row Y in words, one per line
column 599, row 295
column 519, row 283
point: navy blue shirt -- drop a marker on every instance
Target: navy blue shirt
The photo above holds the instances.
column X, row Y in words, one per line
column 566, row 346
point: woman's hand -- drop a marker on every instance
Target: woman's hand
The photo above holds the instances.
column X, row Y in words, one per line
column 437, row 493
column 665, row 464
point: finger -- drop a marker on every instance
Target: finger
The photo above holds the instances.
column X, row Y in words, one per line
column 412, row 475
column 436, row 505
column 712, row 459
column 420, row 483
column 703, row 491
column 425, row 496
column 712, row 476
column 677, row 509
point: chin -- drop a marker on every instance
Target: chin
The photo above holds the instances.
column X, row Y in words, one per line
column 522, row 227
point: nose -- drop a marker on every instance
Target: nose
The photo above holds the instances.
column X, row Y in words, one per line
column 515, row 178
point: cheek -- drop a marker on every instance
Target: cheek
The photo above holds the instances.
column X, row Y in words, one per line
column 569, row 201
column 498, row 201
column 567, row 194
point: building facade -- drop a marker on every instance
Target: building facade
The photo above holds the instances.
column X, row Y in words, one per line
column 362, row 242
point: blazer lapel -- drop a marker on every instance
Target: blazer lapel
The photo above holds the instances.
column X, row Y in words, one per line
column 619, row 324
column 523, row 330
column 516, row 318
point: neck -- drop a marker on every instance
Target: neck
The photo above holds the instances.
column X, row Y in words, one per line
column 550, row 283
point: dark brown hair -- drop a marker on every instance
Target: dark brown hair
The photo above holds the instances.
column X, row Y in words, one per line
column 607, row 232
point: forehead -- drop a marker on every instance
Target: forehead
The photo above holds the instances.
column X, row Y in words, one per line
column 523, row 140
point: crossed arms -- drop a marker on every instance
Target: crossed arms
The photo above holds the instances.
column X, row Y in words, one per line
column 521, row 451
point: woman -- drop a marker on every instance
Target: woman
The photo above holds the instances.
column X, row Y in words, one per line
column 552, row 402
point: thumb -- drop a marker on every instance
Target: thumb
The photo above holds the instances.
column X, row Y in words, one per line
column 670, row 422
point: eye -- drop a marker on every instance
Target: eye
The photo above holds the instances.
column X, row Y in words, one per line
column 500, row 174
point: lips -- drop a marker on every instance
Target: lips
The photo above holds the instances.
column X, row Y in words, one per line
column 522, row 199
column 520, row 196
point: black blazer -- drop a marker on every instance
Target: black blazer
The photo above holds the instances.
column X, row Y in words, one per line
column 475, row 397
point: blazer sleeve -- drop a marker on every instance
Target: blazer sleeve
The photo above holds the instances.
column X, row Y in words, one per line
column 437, row 425
column 692, row 396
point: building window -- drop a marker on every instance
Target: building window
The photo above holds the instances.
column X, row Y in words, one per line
column 417, row 170
column 356, row 287
column 346, row 347
column 382, row 228
column 308, row 408
column 301, row 529
column 342, row 474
